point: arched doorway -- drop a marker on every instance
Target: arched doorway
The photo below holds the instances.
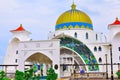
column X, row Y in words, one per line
column 70, row 62
column 41, row 61
column 40, row 58
column 39, row 52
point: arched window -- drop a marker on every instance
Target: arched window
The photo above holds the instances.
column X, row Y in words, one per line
column 100, row 60
column 95, row 48
column 75, row 35
column 16, row 51
column 118, row 48
column 96, row 37
column 86, row 35
column 54, row 35
column 16, row 60
column 100, row 49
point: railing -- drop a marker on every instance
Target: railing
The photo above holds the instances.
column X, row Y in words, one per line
column 10, row 69
column 90, row 75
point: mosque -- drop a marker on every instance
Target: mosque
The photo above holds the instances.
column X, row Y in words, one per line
column 73, row 46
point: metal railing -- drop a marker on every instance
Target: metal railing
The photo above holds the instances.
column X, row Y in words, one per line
column 10, row 69
column 76, row 75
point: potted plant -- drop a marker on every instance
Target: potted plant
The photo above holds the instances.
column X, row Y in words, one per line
column 118, row 74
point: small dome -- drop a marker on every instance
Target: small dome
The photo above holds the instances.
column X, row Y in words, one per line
column 116, row 22
column 73, row 19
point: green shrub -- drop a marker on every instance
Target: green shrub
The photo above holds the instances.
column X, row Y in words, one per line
column 51, row 75
column 118, row 74
column 19, row 75
column 3, row 76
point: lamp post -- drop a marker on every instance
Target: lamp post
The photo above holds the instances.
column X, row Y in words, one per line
column 112, row 78
column 106, row 67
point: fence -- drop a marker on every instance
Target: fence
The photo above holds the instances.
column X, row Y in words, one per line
column 10, row 71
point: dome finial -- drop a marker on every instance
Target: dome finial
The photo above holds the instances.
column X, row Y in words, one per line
column 21, row 25
column 116, row 18
column 73, row 6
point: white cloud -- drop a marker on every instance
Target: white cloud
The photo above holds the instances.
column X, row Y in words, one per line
column 39, row 16
column 102, row 12
column 7, row 5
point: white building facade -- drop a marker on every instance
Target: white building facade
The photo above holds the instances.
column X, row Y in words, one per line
column 74, row 42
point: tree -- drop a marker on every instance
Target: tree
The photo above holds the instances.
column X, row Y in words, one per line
column 3, row 76
column 19, row 75
column 28, row 74
column 51, row 75
column 118, row 74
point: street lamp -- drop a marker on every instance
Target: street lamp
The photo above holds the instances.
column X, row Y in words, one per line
column 112, row 78
column 106, row 66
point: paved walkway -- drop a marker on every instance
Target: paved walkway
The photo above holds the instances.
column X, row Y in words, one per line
column 94, row 79
column 85, row 79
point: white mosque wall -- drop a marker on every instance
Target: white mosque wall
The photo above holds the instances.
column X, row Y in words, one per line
column 50, row 48
column 21, row 35
column 11, row 52
column 81, row 35
column 27, row 46
column 113, row 30
column 91, row 42
column 113, row 38
column 116, row 50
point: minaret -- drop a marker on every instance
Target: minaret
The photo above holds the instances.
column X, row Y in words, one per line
column 114, row 40
column 18, row 35
column 114, row 28
column 21, row 34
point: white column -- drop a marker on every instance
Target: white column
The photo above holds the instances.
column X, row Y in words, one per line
column 21, row 65
column 21, row 60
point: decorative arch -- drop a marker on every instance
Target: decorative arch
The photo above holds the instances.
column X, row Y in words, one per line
column 80, row 61
column 82, row 50
column 38, row 54
column 39, row 57
column 50, row 50
column 116, row 36
column 15, row 40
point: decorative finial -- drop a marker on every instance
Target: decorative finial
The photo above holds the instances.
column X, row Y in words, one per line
column 73, row 1
column 20, row 25
column 116, row 18
column 73, row 6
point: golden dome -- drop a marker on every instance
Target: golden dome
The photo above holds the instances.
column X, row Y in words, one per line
column 73, row 18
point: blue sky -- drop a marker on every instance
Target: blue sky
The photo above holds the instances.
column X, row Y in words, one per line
column 39, row 16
